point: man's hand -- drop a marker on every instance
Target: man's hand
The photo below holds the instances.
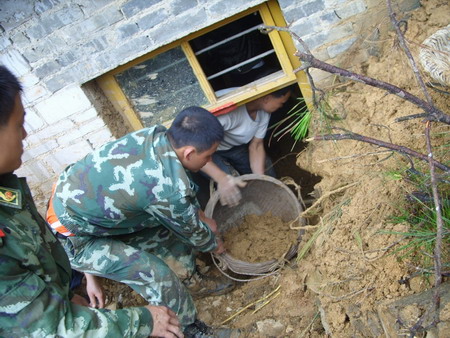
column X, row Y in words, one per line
column 94, row 291
column 214, row 228
column 228, row 188
column 165, row 322
column 220, row 246
column 209, row 221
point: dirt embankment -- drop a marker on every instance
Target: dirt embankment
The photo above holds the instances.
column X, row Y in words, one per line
column 350, row 269
column 337, row 287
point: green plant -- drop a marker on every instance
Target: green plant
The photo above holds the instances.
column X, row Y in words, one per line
column 394, row 175
column 421, row 235
column 298, row 119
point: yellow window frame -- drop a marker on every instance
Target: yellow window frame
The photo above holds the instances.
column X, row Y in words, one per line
column 284, row 49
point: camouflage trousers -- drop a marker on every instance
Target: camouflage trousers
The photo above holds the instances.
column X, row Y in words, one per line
column 153, row 262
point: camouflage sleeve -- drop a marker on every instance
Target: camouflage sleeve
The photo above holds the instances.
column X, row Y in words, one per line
column 180, row 215
column 29, row 306
column 34, row 297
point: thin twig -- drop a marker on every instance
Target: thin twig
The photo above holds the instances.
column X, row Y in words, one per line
column 266, row 302
column 353, row 156
column 348, row 295
column 250, row 305
column 305, row 227
column 321, row 198
column 290, row 181
column 405, row 48
column 401, row 149
column 384, row 250
column 285, row 156
column 439, row 226
column 308, row 328
column 411, row 117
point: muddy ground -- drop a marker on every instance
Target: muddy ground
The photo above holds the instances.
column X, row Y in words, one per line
column 350, row 269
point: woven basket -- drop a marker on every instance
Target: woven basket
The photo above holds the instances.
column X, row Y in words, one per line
column 435, row 56
column 261, row 195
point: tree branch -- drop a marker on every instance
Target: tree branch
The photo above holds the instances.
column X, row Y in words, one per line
column 439, row 228
column 395, row 147
column 434, row 114
column 436, row 198
column 405, row 48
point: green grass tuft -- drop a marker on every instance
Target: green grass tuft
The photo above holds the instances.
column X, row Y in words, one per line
column 421, row 218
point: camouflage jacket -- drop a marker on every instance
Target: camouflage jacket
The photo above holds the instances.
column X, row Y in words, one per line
column 35, row 275
column 130, row 184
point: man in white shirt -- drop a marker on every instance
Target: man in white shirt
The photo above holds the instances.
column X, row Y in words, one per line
column 243, row 145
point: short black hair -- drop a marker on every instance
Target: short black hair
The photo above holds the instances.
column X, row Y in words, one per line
column 277, row 93
column 283, row 91
column 196, row 127
column 9, row 88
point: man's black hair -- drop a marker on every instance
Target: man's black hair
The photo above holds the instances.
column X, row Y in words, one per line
column 9, row 88
column 197, row 127
column 283, row 91
column 277, row 93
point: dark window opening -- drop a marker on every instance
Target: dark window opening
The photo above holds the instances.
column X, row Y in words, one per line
column 236, row 54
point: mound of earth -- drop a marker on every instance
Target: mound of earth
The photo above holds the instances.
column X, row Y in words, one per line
column 351, row 267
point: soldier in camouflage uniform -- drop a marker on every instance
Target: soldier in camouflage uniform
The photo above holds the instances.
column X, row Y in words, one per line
column 35, row 300
column 128, row 211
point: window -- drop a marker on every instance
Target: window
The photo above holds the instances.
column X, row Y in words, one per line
column 218, row 68
column 161, row 86
column 236, row 54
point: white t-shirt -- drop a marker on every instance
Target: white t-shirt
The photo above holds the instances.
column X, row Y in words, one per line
column 240, row 128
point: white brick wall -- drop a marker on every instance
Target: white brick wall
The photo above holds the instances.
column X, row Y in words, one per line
column 15, row 62
column 62, row 104
column 32, row 121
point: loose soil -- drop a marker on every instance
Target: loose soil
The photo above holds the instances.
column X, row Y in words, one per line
column 259, row 238
column 351, row 267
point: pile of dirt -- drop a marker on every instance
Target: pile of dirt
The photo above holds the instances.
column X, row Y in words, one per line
column 259, row 238
column 351, row 267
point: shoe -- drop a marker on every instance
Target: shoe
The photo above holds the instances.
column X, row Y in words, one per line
column 201, row 285
column 198, row 329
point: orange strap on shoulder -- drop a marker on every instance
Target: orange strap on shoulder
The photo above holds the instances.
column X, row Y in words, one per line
column 53, row 220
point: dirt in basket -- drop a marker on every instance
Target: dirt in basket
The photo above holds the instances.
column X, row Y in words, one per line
column 260, row 238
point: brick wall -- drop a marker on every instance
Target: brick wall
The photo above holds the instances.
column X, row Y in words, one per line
column 55, row 46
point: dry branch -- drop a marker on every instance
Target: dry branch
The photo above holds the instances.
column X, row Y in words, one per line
column 434, row 114
column 398, row 148
column 436, row 198
column 405, row 48
column 309, row 61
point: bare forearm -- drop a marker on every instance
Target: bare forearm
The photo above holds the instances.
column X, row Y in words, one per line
column 257, row 156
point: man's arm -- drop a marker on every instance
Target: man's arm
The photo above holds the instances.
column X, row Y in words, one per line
column 180, row 214
column 257, row 156
column 35, row 307
column 34, row 295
